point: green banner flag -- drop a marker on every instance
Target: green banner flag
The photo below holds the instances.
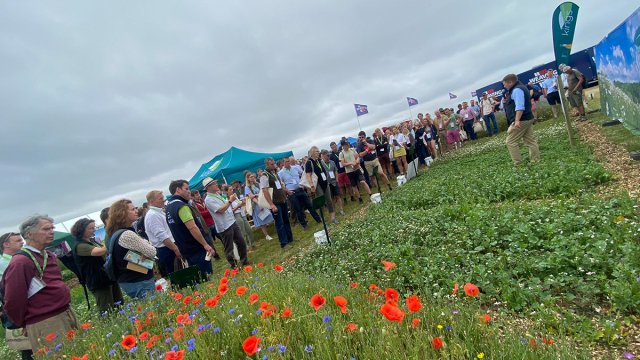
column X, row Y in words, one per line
column 563, row 25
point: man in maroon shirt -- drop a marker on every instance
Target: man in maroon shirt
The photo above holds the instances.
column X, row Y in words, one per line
column 35, row 297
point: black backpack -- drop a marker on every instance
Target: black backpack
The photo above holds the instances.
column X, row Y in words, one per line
column 140, row 230
column 109, row 264
column 537, row 92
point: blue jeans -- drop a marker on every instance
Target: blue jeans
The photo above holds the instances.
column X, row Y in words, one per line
column 166, row 257
column 198, row 260
column 283, row 226
column 138, row 290
column 300, row 202
column 488, row 120
column 468, row 127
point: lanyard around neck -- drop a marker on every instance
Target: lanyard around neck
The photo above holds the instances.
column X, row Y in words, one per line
column 44, row 263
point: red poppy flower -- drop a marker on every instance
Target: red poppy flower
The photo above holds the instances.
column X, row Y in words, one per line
column 152, row 341
column 159, row 287
column 144, row 335
column 174, row 355
column 213, row 302
column 286, row 313
column 415, row 322
column 71, row 334
column 224, row 280
column 253, row 298
column 128, row 342
column 241, row 290
column 532, row 343
column 388, row 265
column 51, row 336
column 436, row 343
column 222, row 289
column 391, row 294
column 392, row 313
column 83, row 357
column 186, row 300
column 317, row 301
column 413, row 303
column 171, row 311
column 373, row 287
column 177, row 296
column 226, row 273
column 264, row 305
column 455, row 289
column 235, row 272
column 250, row 345
column 260, row 265
column 248, row 268
column 351, row 327
column 278, row 268
column 353, row 284
column 471, row 290
column 196, row 301
column 177, row 333
column 548, row 341
column 340, row 301
column 486, row 318
column 380, row 292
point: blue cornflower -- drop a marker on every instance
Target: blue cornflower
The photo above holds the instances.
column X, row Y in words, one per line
column 167, row 340
column 264, row 357
column 329, row 327
column 133, row 349
column 174, row 348
column 194, row 312
column 255, row 331
column 216, row 329
column 282, row 348
column 109, row 334
column 112, row 352
column 58, row 347
column 326, row 318
column 200, row 328
column 191, row 344
column 121, row 312
column 270, row 348
column 259, row 312
column 208, row 326
column 308, row 348
column 232, row 310
column 104, row 313
column 448, row 328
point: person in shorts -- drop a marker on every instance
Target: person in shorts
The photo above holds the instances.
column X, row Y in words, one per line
column 550, row 91
column 453, row 129
column 342, row 178
column 351, row 162
column 575, row 83
column 367, row 151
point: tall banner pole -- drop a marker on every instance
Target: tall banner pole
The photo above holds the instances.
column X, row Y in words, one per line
column 563, row 26
column 358, row 120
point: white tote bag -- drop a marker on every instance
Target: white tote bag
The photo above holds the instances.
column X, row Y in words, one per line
column 262, row 200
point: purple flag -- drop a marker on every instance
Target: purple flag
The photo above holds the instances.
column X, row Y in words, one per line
column 452, row 96
column 412, row 101
column 361, row 109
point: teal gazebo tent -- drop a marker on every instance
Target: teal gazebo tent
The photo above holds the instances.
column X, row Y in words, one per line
column 60, row 236
column 231, row 164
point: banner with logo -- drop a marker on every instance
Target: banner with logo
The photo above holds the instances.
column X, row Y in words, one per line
column 618, row 65
column 563, row 26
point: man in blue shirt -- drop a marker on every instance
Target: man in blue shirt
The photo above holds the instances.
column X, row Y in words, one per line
column 517, row 108
column 298, row 197
column 550, row 91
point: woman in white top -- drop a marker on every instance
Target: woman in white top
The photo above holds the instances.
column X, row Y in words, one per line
column 398, row 145
column 251, row 190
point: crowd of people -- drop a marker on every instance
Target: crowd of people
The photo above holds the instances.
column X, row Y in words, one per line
column 169, row 233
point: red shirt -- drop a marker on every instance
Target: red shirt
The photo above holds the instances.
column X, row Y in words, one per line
column 52, row 300
column 206, row 215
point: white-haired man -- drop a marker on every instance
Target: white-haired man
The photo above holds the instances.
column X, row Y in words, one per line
column 35, row 297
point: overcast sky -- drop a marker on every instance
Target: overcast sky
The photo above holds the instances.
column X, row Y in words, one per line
column 103, row 100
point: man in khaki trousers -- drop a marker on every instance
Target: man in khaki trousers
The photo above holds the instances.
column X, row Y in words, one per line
column 519, row 115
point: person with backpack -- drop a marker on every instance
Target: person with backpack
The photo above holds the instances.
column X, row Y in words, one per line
column 10, row 244
column 34, row 295
column 487, row 106
column 535, row 91
column 131, row 257
column 89, row 258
